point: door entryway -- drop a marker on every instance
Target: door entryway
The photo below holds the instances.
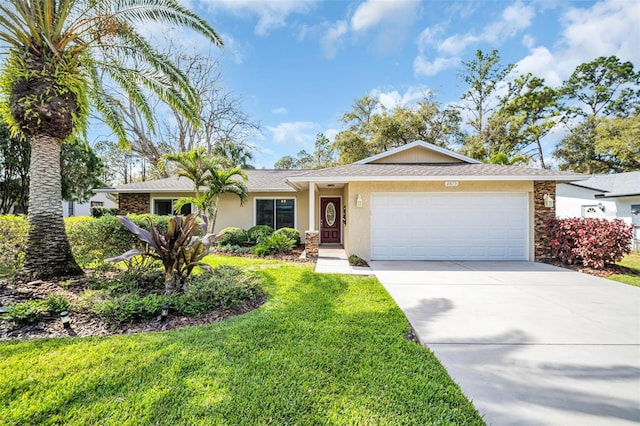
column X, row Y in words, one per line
column 330, row 220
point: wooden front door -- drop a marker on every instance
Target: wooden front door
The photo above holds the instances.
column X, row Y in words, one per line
column 330, row 220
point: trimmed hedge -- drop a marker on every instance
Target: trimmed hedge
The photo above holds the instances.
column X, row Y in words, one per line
column 259, row 232
column 13, row 242
column 233, row 236
column 590, row 242
column 291, row 233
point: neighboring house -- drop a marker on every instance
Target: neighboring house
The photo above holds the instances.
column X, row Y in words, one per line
column 102, row 198
column 417, row 201
column 615, row 196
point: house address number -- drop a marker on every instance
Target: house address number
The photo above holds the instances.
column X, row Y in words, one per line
column 450, row 183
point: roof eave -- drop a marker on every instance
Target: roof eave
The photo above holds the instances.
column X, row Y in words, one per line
column 600, row 196
column 562, row 178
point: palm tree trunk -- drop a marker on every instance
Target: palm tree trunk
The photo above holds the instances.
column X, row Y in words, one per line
column 48, row 252
column 213, row 215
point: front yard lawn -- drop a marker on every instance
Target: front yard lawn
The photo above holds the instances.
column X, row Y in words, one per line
column 323, row 349
column 631, row 261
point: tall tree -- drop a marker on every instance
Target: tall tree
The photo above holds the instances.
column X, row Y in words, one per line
column 599, row 97
column 59, row 54
column 529, row 111
column 484, row 75
column 372, row 128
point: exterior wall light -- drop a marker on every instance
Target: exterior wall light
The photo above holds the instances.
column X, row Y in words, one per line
column 359, row 200
column 601, row 207
column 548, row 200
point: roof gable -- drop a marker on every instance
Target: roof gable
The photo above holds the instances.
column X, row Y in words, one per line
column 418, row 152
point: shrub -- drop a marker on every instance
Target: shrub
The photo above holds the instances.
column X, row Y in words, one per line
column 226, row 287
column 590, row 242
column 92, row 240
column 13, row 242
column 99, row 211
column 233, row 236
column 30, row 311
column 179, row 249
column 275, row 243
column 292, row 233
column 259, row 232
column 357, row 261
column 128, row 308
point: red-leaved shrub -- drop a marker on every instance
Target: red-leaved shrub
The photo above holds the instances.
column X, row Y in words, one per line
column 591, row 242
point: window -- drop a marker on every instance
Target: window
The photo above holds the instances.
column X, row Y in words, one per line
column 165, row 207
column 277, row 213
column 590, row 211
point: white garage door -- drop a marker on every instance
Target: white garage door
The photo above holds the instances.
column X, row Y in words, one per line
column 449, row 226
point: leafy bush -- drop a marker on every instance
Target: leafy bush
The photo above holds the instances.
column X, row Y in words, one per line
column 292, row 233
column 99, row 211
column 357, row 261
column 13, row 242
column 92, row 240
column 590, row 242
column 226, row 286
column 30, row 311
column 275, row 243
column 179, row 249
column 128, row 308
column 233, row 236
column 259, row 232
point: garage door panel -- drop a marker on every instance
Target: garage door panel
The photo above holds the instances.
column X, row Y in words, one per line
column 449, row 226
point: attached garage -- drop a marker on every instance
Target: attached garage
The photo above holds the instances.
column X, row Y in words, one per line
column 439, row 226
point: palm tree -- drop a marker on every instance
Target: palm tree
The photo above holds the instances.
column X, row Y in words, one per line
column 223, row 181
column 59, row 53
column 193, row 165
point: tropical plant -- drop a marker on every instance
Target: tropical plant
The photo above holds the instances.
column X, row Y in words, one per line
column 214, row 173
column 180, row 250
column 59, row 55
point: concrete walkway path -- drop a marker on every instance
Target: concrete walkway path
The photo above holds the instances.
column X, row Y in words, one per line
column 529, row 343
column 333, row 260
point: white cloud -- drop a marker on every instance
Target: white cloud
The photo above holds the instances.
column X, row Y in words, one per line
column 394, row 98
column 540, row 63
column 611, row 27
column 271, row 14
column 332, row 39
column 513, row 20
column 280, row 110
column 373, row 12
column 297, row 132
column 422, row 66
column 528, row 41
column 391, row 20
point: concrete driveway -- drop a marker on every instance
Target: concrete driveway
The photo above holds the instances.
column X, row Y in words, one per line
column 529, row 343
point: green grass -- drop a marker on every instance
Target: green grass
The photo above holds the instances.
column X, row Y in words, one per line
column 324, row 349
column 631, row 261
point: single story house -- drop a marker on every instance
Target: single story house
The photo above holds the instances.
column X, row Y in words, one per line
column 614, row 196
column 416, row 202
column 101, row 198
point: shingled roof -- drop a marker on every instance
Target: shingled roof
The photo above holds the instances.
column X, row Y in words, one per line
column 259, row 180
column 439, row 171
column 615, row 185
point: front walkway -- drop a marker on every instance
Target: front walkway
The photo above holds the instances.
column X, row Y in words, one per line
column 529, row 343
column 333, row 260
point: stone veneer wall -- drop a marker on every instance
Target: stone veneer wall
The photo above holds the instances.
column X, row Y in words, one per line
column 134, row 203
column 541, row 216
column 311, row 242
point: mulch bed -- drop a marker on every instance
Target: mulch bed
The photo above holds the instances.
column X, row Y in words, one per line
column 608, row 270
column 292, row 256
column 86, row 324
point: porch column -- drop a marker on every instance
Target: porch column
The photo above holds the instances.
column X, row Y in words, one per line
column 312, row 206
column 311, row 239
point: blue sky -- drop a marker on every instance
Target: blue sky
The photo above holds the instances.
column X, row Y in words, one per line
column 299, row 65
